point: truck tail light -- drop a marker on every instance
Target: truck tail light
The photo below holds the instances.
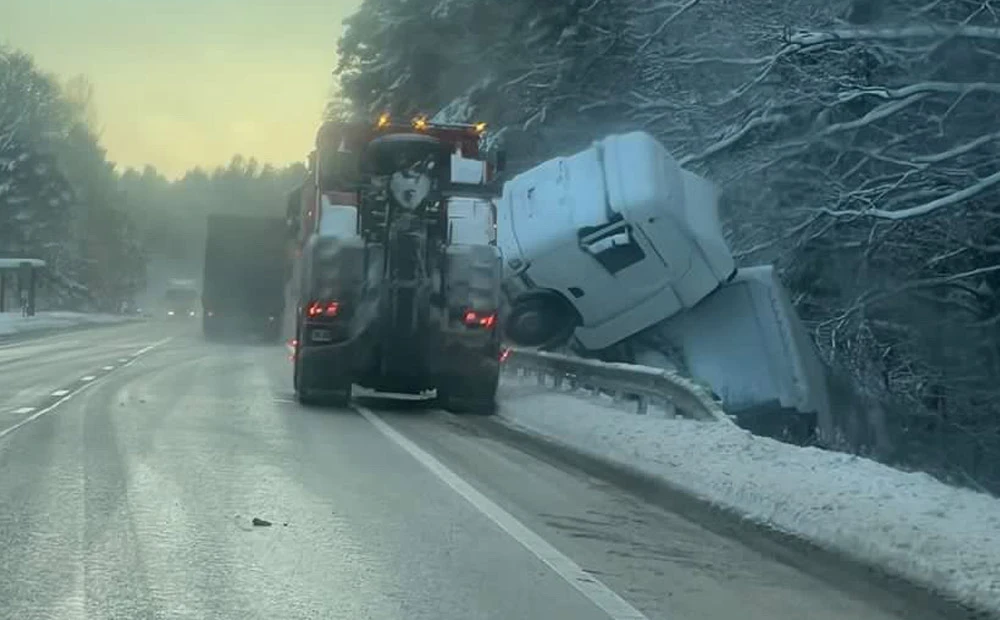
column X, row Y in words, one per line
column 323, row 309
column 486, row 320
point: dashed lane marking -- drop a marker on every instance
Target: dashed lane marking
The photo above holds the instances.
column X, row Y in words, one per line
column 24, row 410
column 65, row 395
column 88, row 378
column 108, row 368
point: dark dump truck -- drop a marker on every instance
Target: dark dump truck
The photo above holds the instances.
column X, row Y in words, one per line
column 244, row 277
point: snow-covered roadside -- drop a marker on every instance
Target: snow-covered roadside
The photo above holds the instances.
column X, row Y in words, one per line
column 945, row 538
column 12, row 323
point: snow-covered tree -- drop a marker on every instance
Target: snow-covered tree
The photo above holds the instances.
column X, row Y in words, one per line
column 58, row 196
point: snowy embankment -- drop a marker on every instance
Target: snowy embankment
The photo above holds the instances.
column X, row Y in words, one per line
column 14, row 324
column 944, row 538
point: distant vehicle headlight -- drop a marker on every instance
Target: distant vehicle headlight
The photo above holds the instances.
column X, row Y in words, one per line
column 191, row 313
column 170, row 313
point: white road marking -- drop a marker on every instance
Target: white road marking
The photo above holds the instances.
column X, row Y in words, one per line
column 24, row 410
column 599, row 594
column 122, row 360
column 87, row 378
column 150, row 347
column 66, row 395
column 108, row 368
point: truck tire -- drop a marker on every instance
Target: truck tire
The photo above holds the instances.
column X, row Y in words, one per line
column 469, row 396
column 336, row 394
column 340, row 397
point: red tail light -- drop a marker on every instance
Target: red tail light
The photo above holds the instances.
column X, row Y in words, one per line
column 479, row 319
column 328, row 309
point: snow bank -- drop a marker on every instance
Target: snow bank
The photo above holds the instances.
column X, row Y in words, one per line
column 944, row 538
column 13, row 323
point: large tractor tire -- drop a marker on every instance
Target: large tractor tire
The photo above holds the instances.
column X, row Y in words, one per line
column 540, row 319
column 330, row 393
column 468, row 395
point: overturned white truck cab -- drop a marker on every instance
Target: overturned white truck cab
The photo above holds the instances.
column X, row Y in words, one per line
column 619, row 252
column 607, row 242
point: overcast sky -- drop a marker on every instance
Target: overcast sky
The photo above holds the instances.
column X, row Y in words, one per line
column 180, row 83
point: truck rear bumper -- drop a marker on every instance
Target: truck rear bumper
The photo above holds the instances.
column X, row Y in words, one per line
column 457, row 357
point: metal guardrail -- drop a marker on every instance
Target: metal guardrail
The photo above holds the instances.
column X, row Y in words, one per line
column 642, row 384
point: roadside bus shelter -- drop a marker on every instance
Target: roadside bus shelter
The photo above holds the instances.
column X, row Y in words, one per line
column 25, row 271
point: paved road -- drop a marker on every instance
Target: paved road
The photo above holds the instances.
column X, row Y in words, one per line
column 131, row 495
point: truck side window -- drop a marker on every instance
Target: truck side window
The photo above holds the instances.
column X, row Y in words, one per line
column 613, row 247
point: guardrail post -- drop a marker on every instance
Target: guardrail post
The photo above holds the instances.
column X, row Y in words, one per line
column 642, row 405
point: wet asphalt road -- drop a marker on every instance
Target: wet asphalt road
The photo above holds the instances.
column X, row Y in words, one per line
column 134, row 459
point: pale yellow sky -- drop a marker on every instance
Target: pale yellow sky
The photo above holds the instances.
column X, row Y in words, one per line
column 180, row 83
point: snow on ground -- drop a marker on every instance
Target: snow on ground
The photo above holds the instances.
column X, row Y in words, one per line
column 945, row 538
column 12, row 323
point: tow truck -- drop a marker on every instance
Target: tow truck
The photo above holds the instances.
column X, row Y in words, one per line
column 395, row 277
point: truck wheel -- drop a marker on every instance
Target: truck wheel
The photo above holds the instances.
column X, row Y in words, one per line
column 303, row 394
column 336, row 394
column 306, row 398
column 339, row 397
column 469, row 396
